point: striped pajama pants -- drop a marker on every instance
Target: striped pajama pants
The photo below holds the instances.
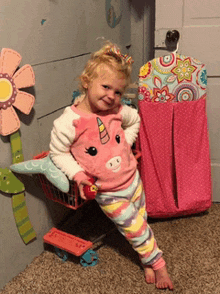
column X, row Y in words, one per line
column 127, row 210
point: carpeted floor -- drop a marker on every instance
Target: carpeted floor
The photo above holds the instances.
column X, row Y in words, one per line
column 191, row 247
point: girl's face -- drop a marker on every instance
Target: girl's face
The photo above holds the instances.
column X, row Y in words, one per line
column 104, row 92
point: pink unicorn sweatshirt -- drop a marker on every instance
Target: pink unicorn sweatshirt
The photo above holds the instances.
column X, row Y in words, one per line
column 87, row 145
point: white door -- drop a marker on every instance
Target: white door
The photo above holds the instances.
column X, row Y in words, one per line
column 199, row 26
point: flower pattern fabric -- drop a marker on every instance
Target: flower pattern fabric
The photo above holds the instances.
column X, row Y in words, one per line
column 184, row 69
column 172, row 78
column 10, row 94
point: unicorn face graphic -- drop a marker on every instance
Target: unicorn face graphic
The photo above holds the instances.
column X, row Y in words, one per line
column 113, row 164
column 100, row 147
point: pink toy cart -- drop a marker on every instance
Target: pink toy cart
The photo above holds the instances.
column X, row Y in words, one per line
column 71, row 199
column 65, row 243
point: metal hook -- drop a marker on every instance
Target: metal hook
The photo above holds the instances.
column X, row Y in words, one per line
column 172, row 36
column 172, row 39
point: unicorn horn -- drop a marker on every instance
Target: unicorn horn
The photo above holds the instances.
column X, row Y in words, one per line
column 104, row 136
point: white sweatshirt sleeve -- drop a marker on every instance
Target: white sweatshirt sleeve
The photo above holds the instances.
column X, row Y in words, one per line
column 130, row 123
column 62, row 137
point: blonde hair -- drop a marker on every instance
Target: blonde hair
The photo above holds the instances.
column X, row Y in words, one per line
column 109, row 55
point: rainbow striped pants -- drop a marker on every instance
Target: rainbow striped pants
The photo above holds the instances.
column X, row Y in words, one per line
column 127, row 210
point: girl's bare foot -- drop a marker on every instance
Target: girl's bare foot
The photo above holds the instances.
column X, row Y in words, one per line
column 149, row 275
column 159, row 277
column 163, row 280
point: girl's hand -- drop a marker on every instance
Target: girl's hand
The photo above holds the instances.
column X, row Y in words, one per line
column 81, row 186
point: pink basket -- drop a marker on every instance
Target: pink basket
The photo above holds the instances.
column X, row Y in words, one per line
column 71, row 199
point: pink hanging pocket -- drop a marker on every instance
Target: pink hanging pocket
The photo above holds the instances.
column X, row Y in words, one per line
column 175, row 163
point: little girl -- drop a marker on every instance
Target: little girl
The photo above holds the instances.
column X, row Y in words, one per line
column 93, row 138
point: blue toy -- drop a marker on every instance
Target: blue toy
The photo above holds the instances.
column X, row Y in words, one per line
column 90, row 258
column 46, row 167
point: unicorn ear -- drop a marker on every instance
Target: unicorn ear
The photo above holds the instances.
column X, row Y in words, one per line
column 103, row 134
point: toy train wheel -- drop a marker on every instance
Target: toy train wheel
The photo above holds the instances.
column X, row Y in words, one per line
column 90, row 258
column 62, row 254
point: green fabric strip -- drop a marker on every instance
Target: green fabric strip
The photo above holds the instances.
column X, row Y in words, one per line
column 24, row 220
column 16, row 148
column 28, row 233
column 20, row 206
column 20, row 211
column 29, row 238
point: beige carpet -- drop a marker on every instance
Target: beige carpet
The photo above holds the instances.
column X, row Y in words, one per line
column 191, row 248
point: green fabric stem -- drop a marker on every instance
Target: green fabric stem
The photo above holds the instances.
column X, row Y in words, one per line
column 20, row 211
column 16, row 148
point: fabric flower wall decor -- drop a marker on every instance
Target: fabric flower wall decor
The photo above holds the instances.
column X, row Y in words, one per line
column 10, row 94
column 11, row 97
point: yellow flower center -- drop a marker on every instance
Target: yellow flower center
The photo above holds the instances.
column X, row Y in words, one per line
column 6, row 89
